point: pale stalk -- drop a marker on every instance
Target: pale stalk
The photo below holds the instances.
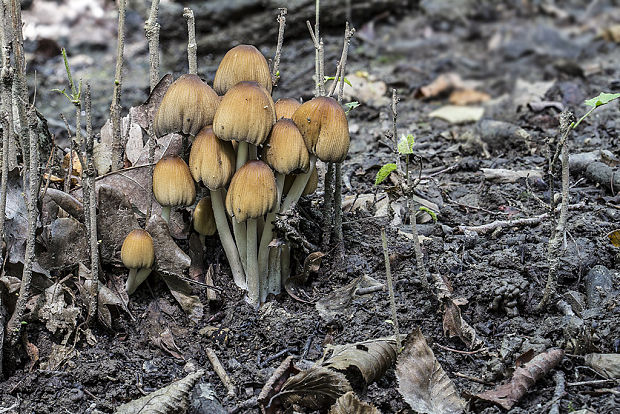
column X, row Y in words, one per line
column 226, row 238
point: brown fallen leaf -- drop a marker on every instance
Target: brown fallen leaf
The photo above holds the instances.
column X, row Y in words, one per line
column 468, row 97
column 422, row 381
column 507, row 395
column 315, row 389
column 350, row 404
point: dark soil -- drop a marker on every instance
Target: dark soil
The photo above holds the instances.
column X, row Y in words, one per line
column 495, row 45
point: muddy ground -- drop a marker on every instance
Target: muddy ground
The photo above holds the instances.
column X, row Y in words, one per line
column 508, row 50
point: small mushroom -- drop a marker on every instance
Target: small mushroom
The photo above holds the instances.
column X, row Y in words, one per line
column 204, row 220
column 286, row 107
column 173, row 184
column 242, row 63
column 138, row 255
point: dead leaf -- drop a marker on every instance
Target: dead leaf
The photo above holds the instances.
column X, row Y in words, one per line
column 468, row 97
column 443, row 83
column 507, row 395
column 455, row 114
column 350, row 404
column 366, row 360
column 422, row 381
column 168, row 400
column 338, row 301
column 315, row 389
column 607, row 365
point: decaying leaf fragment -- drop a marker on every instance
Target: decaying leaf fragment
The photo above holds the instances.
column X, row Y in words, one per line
column 350, row 404
column 315, row 389
column 168, row 400
column 422, row 382
column 523, row 379
column 367, row 359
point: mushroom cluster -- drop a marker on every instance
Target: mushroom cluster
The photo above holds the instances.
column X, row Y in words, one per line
column 255, row 157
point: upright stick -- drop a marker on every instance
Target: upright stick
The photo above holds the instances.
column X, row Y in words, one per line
column 115, row 107
column 191, row 40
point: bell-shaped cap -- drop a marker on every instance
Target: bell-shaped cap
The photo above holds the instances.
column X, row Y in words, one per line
column 311, row 185
column 204, row 220
column 323, row 124
column 286, row 107
column 285, row 150
column 173, row 184
column 246, row 113
column 242, row 63
column 137, row 251
column 211, row 160
column 188, row 105
column 252, row 192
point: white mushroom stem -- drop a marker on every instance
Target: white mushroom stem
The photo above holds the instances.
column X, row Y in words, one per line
column 267, row 234
column 254, row 285
column 165, row 213
column 242, row 154
column 298, row 187
column 226, row 238
column 135, row 279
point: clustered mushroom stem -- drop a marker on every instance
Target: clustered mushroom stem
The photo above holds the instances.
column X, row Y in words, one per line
column 165, row 213
column 226, row 238
column 242, row 154
column 255, row 281
column 191, row 41
column 297, row 188
column 267, row 234
column 115, row 107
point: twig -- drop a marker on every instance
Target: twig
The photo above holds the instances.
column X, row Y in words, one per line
column 15, row 323
column 388, row 274
column 191, row 40
column 275, row 71
column 115, row 107
column 220, row 371
column 151, row 30
column 90, row 210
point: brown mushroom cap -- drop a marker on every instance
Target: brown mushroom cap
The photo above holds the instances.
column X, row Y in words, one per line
column 324, row 126
column 211, row 160
column 311, row 185
column 173, row 184
column 252, row 192
column 242, row 63
column 286, row 107
column 285, row 150
column 188, row 105
column 245, row 114
column 137, row 251
column 204, row 220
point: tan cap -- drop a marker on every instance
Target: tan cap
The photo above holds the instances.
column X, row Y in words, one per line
column 137, row 251
column 188, row 105
column 211, row 160
column 323, row 124
column 242, row 63
column 172, row 182
column 286, row 107
column 204, row 220
column 252, row 192
column 285, row 150
column 246, row 113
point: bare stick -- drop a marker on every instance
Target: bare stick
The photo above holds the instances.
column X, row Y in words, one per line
column 20, row 93
column 221, row 372
column 388, row 274
column 115, row 107
column 15, row 323
column 191, row 40
column 151, row 29
column 275, row 71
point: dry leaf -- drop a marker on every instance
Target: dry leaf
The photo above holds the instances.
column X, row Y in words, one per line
column 315, row 389
column 422, row 382
column 607, row 365
column 468, row 97
column 507, row 395
column 350, row 404
column 366, row 360
column 168, row 400
column 455, row 114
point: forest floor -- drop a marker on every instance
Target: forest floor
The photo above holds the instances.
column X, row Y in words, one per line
column 531, row 62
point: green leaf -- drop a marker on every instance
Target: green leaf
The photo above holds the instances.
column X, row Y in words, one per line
column 384, row 172
column 326, row 78
column 351, row 105
column 405, row 145
column 430, row 212
column 602, row 99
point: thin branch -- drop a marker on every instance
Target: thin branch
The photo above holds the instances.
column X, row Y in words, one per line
column 191, row 40
column 275, row 71
column 115, row 107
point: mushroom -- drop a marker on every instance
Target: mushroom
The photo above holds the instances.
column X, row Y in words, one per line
column 173, row 184
column 286, row 107
column 252, row 194
column 246, row 114
column 242, row 63
column 204, row 220
column 138, row 255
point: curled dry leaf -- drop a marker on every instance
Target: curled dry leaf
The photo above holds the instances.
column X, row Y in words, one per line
column 168, row 400
column 507, row 395
column 350, row 404
column 315, row 389
column 422, row 381
column 363, row 362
